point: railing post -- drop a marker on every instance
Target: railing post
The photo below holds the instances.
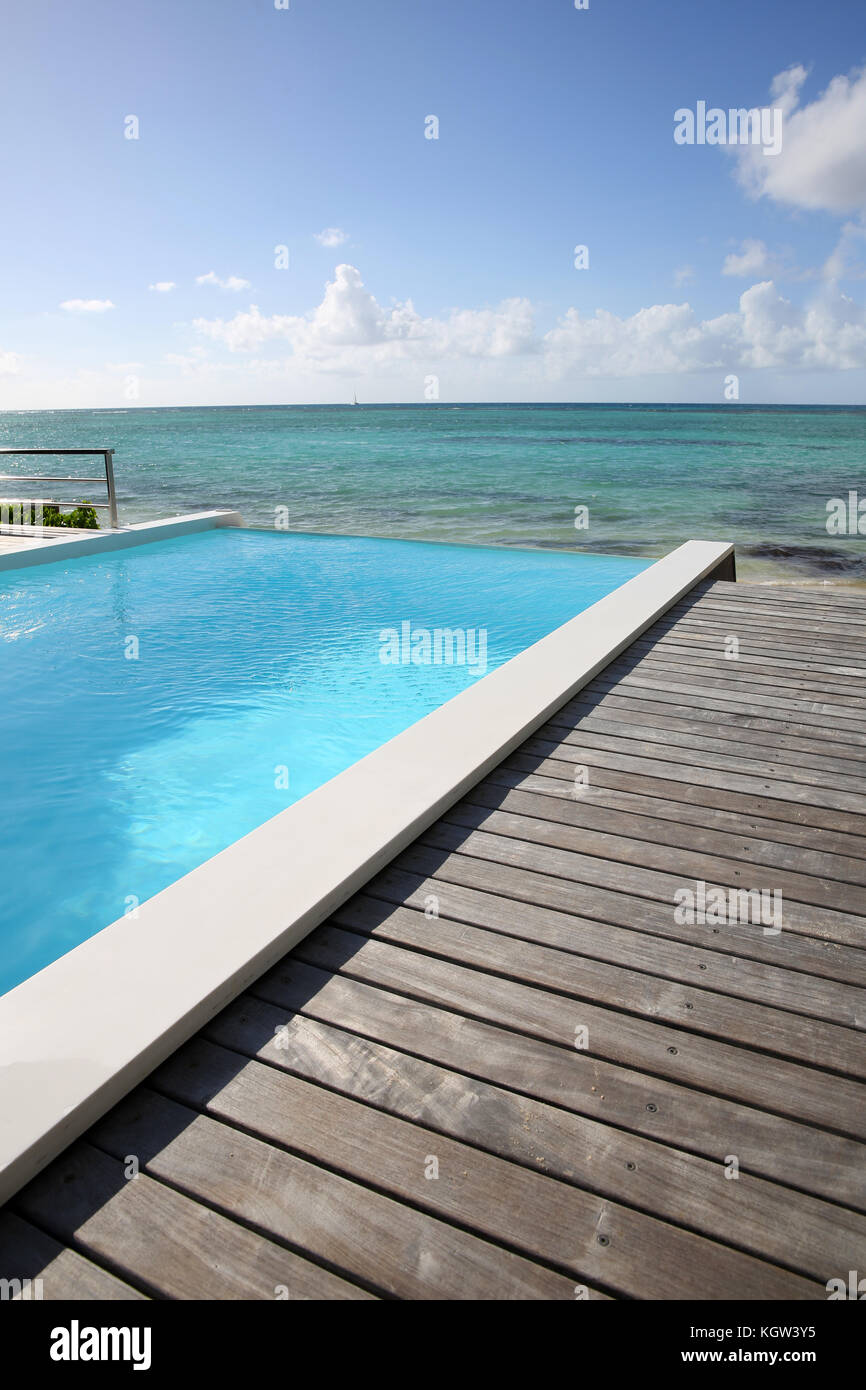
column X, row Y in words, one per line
column 110, row 505
column 112, row 496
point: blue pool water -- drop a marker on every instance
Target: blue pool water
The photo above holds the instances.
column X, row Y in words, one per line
column 156, row 701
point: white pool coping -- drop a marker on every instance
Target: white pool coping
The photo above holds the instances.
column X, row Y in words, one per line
column 48, row 546
column 78, row 1035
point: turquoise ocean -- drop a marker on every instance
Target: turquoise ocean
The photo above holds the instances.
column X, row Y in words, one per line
column 651, row 476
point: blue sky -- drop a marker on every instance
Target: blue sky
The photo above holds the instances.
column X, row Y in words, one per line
column 261, row 127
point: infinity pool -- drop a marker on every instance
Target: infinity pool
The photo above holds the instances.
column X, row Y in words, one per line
column 158, row 703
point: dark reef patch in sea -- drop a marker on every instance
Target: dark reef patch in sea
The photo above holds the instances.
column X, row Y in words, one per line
column 811, row 559
column 628, row 441
column 648, row 548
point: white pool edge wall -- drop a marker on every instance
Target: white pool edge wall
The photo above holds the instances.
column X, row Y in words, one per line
column 78, row 1035
column 53, row 547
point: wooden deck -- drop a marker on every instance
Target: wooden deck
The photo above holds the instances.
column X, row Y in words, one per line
column 11, row 543
column 505, row 1069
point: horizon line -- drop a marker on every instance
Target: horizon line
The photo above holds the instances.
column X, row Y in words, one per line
column 442, row 405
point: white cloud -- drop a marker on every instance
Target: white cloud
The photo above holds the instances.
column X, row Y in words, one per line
column 331, row 237
column 684, row 274
column 10, row 363
column 753, row 259
column 661, row 338
column 246, row 330
column 842, row 263
column 350, row 319
column 185, row 360
column 163, row 286
column 86, row 306
column 350, row 332
column 232, row 282
column 822, row 163
column 765, row 331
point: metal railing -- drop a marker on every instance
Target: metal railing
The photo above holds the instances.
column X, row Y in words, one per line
column 108, row 455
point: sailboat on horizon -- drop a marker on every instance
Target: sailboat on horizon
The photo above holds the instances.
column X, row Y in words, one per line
column 354, row 398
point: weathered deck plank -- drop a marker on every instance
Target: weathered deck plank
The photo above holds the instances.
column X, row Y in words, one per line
column 769, row 1145
column 803, row 800
column 655, row 720
column 761, row 1080
column 755, row 671
column 532, row 853
column 718, row 1015
column 369, row 1237
column 527, row 821
column 590, row 813
column 681, row 1187
column 619, row 908
column 682, row 960
column 561, row 1224
column 159, row 1239
column 45, row 1269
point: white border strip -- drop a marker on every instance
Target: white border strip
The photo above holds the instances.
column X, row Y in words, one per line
column 49, row 549
column 82, row 1032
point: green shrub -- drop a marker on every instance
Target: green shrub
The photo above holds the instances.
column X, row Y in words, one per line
column 81, row 518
